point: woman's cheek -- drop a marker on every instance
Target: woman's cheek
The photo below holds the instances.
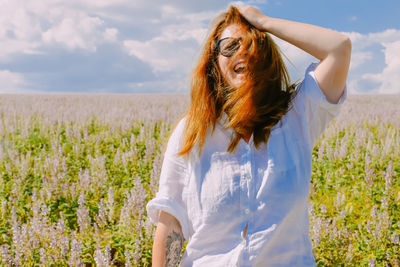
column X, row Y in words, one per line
column 223, row 64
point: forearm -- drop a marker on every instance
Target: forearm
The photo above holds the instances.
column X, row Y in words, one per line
column 332, row 48
column 318, row 42
column 168, row 242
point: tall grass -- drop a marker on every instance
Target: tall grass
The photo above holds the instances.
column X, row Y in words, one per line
column 77, row 171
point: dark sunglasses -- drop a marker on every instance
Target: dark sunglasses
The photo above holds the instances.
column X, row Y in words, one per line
column 228, row 46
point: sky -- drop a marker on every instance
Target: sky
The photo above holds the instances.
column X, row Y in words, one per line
column 151, row 46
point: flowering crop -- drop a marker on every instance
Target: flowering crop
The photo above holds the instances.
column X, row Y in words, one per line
column 77, row 171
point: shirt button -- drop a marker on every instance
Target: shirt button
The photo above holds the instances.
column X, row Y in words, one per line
column 247, row 211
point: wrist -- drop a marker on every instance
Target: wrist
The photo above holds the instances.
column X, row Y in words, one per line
column 265, row 23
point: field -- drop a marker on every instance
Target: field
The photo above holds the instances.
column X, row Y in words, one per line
column 77, row 171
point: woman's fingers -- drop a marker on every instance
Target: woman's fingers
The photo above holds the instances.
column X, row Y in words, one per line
column 254, row 16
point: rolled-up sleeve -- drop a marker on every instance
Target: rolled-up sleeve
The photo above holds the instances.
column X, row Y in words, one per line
column 173, row 178
column 311, row 102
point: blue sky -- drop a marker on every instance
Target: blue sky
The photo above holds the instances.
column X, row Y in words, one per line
column 143, row 46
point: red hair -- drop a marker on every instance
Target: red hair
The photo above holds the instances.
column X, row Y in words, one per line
column 256, row 106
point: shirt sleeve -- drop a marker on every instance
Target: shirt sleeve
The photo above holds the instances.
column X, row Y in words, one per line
column 169, row 197
column 311, row 103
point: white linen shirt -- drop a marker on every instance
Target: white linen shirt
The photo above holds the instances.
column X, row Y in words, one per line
column 213, row 197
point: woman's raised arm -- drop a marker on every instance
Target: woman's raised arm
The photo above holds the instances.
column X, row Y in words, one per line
column 168, row 242
column 333, row 49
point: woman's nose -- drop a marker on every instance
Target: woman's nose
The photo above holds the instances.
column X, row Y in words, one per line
column 243, row 51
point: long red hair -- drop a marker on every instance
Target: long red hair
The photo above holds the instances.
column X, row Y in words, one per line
column 256, row 106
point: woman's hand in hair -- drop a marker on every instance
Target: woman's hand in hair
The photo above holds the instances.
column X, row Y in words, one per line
column 254, row 17
column 332, row 48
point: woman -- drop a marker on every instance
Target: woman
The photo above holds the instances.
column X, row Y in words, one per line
column 236, row 172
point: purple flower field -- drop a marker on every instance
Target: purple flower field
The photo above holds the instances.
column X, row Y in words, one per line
column 77, row 171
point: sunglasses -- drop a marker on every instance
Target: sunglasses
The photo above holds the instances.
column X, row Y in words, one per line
column 228, row 46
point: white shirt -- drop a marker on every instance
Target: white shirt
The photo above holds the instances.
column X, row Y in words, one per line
column 213, row 197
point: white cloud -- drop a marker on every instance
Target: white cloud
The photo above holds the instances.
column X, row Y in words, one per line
column 75, row 32
column 389, row 77
column 365, row 54
column 163, row 55
column 11, row 82
column 387, row 36
column 295, row 59
column 17, row 30
column 165, row 35
column 174, row 49
column 110, row 34
column 11, row 46
column 29, row 26
column 358, row 58
column 368, row 52
column 239, row 3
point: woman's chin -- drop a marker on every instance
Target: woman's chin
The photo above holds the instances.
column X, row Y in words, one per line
column 238, row 80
